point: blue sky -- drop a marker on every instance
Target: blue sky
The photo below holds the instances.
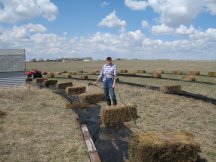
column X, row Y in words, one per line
column 144, row 29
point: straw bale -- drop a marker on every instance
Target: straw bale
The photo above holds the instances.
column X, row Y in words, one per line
column 50, row 75
column 189, row 78
column 29, row 79
column 118, row 114
column 64, row 85
column 80, row 71
column 140, row 71
column 177, row 72
column 171, row 89
column 48, row 83
column 160, row 71
column 123, row 71
column 75, row 90
column 194, row 73
column 91, row 98
column 76, row 105
column 164, row 147
column 93, row 73
column 2, row 113
column 58, row 73
column 212, row 74
column 40, row 80
column 44, row 73
column 83, row 77
column 67, row 75
column 64, row 72
column 156, row 74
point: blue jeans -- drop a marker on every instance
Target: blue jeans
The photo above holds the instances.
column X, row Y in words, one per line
column 109, row 91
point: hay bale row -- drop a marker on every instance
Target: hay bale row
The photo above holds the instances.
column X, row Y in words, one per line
column 50, row 75
column 48, row 83
column 123, row 71
column 83, row 77
column 64, row 71
column 58, row 73
column 171, row 89
column 118, row 114
column 140, row 71
column 80, row 71
column 194, row 72
column 156, row 74
column 40, row 80
column 91, row 98
column 189, row 78
column 75, row 90
column 177, row 72
column 64, row 85
column 165, row 147
column 212, row 74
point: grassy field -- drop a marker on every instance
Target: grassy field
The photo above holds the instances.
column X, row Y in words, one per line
column 28, row 129
column 167, row 66
column 35, row 126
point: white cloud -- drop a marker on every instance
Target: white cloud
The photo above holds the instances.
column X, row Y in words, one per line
column 104, row 3
column 175, row 12
column 131, row 44
column 184, row 30
column 144, row 24
column 162, row 29
column 17, row 10
column 136, row 4
column 112, row 20
column 211, row 6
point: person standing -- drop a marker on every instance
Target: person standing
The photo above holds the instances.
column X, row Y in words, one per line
column 108, row 75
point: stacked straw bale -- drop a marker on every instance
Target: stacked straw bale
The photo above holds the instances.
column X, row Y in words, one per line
column 83, row 77
column 44, row 73
column 177, row 72
column 118, row 114
column 123, row 71
column 165, row 147
column 91, row 98
column 48, row 83
column 194, row 72
column 64, row 85
column 50, row 75
column 189, row 78
column 140, row 71
column 171, row 89
column 40, row 80
column 212, row 74
column 75, row 90
column 156, row 74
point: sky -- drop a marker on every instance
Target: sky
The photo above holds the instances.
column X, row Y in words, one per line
column 132, row 29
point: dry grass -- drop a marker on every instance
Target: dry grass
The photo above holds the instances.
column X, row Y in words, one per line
column 189, row 78
column 212, row 74
column 38, row 128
